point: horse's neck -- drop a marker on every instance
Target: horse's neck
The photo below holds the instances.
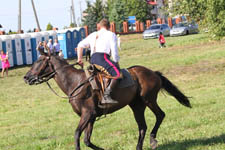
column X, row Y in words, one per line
column 67, row 78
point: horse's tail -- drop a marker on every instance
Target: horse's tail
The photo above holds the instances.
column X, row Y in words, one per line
column 173, row 90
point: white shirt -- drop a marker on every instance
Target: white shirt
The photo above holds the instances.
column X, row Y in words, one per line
column 56, row 47
column 50, row 46
column 106, row 42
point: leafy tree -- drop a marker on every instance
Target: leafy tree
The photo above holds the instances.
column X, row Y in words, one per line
column 196, row 9
column 72, row 25
column 215, row 17
column 94, row 13
column 210, row 13
column 49, row 26
column 12, row 32
column 139, row 8
column 109, row 7
column 118, row 13
column 99, row 10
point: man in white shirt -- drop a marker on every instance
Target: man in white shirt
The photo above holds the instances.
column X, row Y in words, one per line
column 50, row 46
column 56, row 47
column 103, row 44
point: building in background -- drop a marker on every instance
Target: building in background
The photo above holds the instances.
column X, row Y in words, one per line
column 157, row 11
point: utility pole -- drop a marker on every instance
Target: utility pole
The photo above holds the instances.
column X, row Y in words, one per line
column 35, row 14
column 19, row 18
column 73, row 13
column 80, row 12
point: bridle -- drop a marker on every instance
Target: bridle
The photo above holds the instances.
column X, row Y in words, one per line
column 47, row 76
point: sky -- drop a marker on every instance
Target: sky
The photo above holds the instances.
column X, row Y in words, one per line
column 57, row 12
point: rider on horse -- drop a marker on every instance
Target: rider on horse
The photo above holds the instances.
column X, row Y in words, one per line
column 103, row 44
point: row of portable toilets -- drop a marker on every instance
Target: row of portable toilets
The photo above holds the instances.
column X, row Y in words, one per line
column 21, row 48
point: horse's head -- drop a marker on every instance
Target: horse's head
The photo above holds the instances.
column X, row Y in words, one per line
column 41, row 71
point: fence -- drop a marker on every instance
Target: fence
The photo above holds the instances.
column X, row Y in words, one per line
column 137, row 27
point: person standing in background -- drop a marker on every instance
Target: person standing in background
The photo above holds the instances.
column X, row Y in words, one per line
column 50, row 46
column 5, row 63
column 56, row 47
column 43, row 48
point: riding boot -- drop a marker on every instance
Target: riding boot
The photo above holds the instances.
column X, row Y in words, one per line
column 107, row 97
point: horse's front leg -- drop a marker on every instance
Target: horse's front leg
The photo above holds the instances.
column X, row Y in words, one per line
column 88, row 132
column 84, row 120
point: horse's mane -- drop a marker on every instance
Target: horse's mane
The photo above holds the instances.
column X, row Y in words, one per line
column 61, row 60
column 64, row 62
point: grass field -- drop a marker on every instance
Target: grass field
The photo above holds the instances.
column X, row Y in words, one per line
column 33, row 118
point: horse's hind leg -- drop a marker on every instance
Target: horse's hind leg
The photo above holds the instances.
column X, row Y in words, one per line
column 138, row 108
column 152, row 104
column 88, row 132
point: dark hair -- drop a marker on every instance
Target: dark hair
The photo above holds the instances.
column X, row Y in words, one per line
column 104, row 23
column 160, row 33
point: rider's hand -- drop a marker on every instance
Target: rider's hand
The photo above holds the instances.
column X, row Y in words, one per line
column 80, row 62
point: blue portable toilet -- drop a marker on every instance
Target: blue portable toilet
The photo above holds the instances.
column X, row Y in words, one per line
column 17, row 49
column 65, row 41
column 44, row 36
column 82, row 33
column 52, row 34
column 7, row 47
column 26, row 48
column 35, row 39
column 0, row 50
column 75, row 39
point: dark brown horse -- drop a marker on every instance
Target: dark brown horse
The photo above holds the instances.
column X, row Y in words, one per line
column 144, row 93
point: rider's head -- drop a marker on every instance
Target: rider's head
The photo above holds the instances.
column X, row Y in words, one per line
column 104, row 23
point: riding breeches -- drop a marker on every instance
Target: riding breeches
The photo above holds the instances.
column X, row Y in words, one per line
column 105, row 64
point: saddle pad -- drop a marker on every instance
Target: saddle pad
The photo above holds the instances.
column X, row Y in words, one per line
column 127, row 80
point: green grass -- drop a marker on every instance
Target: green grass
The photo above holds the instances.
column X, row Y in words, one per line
column 33, row 118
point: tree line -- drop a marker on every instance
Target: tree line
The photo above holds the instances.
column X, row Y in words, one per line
column 208, row 13
column 116, row 11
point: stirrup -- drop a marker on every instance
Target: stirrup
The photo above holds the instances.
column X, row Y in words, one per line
column 108, row 100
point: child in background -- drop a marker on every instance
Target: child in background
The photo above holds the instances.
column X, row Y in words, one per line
column 5, row 63
column 162, row 40
column 61, row 54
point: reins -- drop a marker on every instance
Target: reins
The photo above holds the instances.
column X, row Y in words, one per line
column 52, row 74
column 74, row 90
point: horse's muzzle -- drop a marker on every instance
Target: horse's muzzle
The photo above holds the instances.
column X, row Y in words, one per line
column 30, row 79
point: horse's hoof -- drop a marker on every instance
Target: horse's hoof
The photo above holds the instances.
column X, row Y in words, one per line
column 153, row 143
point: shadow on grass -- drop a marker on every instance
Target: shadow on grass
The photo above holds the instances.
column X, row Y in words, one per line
column 186, row 144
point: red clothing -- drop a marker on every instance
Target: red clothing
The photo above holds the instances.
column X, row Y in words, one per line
column 162, row 39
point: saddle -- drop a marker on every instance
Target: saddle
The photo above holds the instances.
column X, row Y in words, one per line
column 101, row 79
